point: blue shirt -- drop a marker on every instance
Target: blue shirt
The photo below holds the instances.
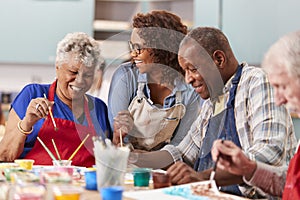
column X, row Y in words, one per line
column 99, row 113
column 123, row 89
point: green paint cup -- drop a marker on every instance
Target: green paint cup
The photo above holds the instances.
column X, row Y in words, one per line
column 141, row 177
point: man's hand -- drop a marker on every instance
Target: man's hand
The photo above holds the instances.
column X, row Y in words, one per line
column 232, row 159
column 181, row 173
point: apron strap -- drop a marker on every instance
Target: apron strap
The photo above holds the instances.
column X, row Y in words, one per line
column 51, row 94
column 235, row 81
column 178, row 97
column 140, row 93
column 51, row 91
column 88, row 115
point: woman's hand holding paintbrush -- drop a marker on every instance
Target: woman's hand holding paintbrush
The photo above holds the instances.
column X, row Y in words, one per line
column 123, row 124
column 37, row 109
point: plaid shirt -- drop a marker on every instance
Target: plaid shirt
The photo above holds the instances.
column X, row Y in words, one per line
column 265, row 130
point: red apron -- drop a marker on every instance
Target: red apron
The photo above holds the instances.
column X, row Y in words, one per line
column 67, row 138
column 292, row 185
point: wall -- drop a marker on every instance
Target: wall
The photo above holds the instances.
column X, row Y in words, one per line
column 252, row 26
column 30, row 29
column 14, row 76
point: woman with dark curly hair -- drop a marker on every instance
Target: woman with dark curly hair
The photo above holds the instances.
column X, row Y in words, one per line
column 149, row 102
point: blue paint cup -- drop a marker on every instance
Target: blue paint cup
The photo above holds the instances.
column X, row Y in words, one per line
column 90, row 179
column 112, row 193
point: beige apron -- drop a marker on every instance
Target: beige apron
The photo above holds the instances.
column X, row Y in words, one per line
column 153, row 126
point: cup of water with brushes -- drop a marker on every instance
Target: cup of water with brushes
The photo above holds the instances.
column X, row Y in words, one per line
column 111, row 162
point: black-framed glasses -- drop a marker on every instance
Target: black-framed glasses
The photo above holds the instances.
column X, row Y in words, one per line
column 135, row 47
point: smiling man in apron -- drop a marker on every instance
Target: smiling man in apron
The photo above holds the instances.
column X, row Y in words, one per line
column 282, row 65
column 240, row 107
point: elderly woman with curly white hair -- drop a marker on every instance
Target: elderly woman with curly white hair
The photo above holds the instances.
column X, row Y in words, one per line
column 60, row 114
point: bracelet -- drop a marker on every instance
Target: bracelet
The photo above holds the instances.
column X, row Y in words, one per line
column 22, row 131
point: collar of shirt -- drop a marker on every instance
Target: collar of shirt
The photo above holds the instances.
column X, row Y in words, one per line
column 179, row 84
column 219, row 104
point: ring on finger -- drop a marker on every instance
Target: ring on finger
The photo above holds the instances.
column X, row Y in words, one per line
column 37, row 106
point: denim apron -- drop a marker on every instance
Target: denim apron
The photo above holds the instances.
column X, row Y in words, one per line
column 153, row 127
column 220, row 126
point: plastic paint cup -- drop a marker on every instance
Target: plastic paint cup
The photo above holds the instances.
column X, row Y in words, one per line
column 69, row 192
column 67, row 169
column 90, row 179
column 9, row 172
column 29, row 196
column 67, row 196
column 141, row 177
column 5, row 189
column 28, row 192
column 161, row 180
column 62, row 162
column 54, row 176
column 112, row 193
column 25, row 163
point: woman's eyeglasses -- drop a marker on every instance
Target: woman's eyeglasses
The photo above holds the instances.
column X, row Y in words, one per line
column 135, row 47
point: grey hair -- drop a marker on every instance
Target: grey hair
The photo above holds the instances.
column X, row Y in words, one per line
column 285, row 53
column 85, row 48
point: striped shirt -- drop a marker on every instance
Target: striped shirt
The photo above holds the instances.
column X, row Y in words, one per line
column 265, row 130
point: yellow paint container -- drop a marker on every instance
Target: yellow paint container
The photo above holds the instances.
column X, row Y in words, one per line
column 25, row 163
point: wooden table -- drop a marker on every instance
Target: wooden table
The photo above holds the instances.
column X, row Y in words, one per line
column 151, row 194
column 129, row 190
column 94, row 195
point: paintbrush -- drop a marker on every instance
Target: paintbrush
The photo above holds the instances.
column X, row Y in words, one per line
column 83, row 141
column 51, row 115
column 213, row 173
column 46, row 148
column 56, row 150
column 121, row 139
